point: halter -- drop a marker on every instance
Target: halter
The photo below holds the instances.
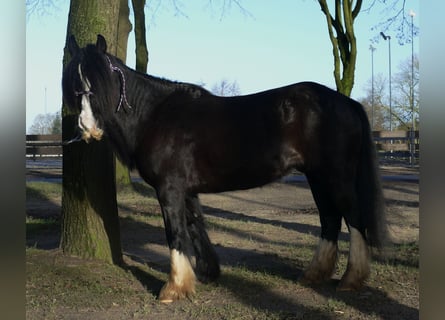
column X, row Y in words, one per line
column 76, row 139
column 83, row 93
column 122, row 99
column 123, row 95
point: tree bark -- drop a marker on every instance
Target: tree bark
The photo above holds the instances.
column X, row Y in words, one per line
column 90, row 222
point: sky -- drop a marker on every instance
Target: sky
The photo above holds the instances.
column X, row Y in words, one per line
column 277, row 43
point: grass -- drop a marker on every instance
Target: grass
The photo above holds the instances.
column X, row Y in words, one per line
column 38, row 225
column 260, row 282
column 55, row 282
column 43, row 190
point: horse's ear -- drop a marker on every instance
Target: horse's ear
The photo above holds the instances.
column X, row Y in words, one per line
column 73, row 47
column 101, row 43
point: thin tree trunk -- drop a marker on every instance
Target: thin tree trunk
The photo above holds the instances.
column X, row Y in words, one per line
column 140, row 36
column 123, row 30
column 344, row 44
column 90, row 222
column 123, row 178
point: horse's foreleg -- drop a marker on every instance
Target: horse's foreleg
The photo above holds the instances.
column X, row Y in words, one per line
column 181, row 281
column 207, row 261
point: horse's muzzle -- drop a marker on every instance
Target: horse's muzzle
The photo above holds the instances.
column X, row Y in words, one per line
column 93, row 133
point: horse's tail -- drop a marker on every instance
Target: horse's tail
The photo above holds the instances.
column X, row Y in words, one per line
column 369, row 189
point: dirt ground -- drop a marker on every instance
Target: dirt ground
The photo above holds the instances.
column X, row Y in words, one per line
column 264, row 237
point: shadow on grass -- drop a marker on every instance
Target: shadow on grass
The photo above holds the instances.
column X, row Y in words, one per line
column 43, row 219
column 370, row 301
column 402, row 188
column 262, row 296
column 140, row 188
column 399, row 254
column 295, row 226
column 283, row 303
column 151, row 283
column 251, row 292
column 288, row 304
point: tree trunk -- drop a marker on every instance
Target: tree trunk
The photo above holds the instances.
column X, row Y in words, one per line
column 123, row 30
column 123, row 178
column 90, row 222
column 343, row 41
column 140, row 38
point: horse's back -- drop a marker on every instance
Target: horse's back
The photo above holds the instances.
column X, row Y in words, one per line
column 225, row 143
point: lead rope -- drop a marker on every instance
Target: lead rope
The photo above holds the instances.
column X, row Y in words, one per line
column 123, row 95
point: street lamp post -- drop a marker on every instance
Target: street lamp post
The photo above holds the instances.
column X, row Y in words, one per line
column 372, row 85
column 413, row 146
column 385, row 37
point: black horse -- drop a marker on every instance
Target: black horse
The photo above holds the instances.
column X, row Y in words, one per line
column 185, row 141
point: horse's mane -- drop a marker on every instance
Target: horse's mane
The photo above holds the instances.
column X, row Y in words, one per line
column 164, row 84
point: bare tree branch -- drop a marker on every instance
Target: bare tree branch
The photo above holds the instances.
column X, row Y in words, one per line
column 177, row 6
column 395, row 19
column 40, row 8
column 224, row 88
column 225, row 6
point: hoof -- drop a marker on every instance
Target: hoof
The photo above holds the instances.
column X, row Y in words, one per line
column 170, row 292
column 311, row 277
column 305, row 281
column 348, row 283
column 322, row 265
column 181, row 282
column 358, row 269
column 349, row 286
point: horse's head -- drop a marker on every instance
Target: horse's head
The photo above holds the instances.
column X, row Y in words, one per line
column 90, row 86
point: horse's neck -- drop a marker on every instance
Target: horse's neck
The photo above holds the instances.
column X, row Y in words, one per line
column 149, row 87
column 150, row 91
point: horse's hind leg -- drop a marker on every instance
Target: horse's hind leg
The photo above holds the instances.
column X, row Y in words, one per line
column 344, row 203
column 323, row 262
column 181, row 282
column 358, row 268
column 207, row 262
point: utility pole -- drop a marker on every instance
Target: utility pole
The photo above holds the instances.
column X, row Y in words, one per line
column 385, row 37
column 413, row 146
column 372, row 86
column 45, row 105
